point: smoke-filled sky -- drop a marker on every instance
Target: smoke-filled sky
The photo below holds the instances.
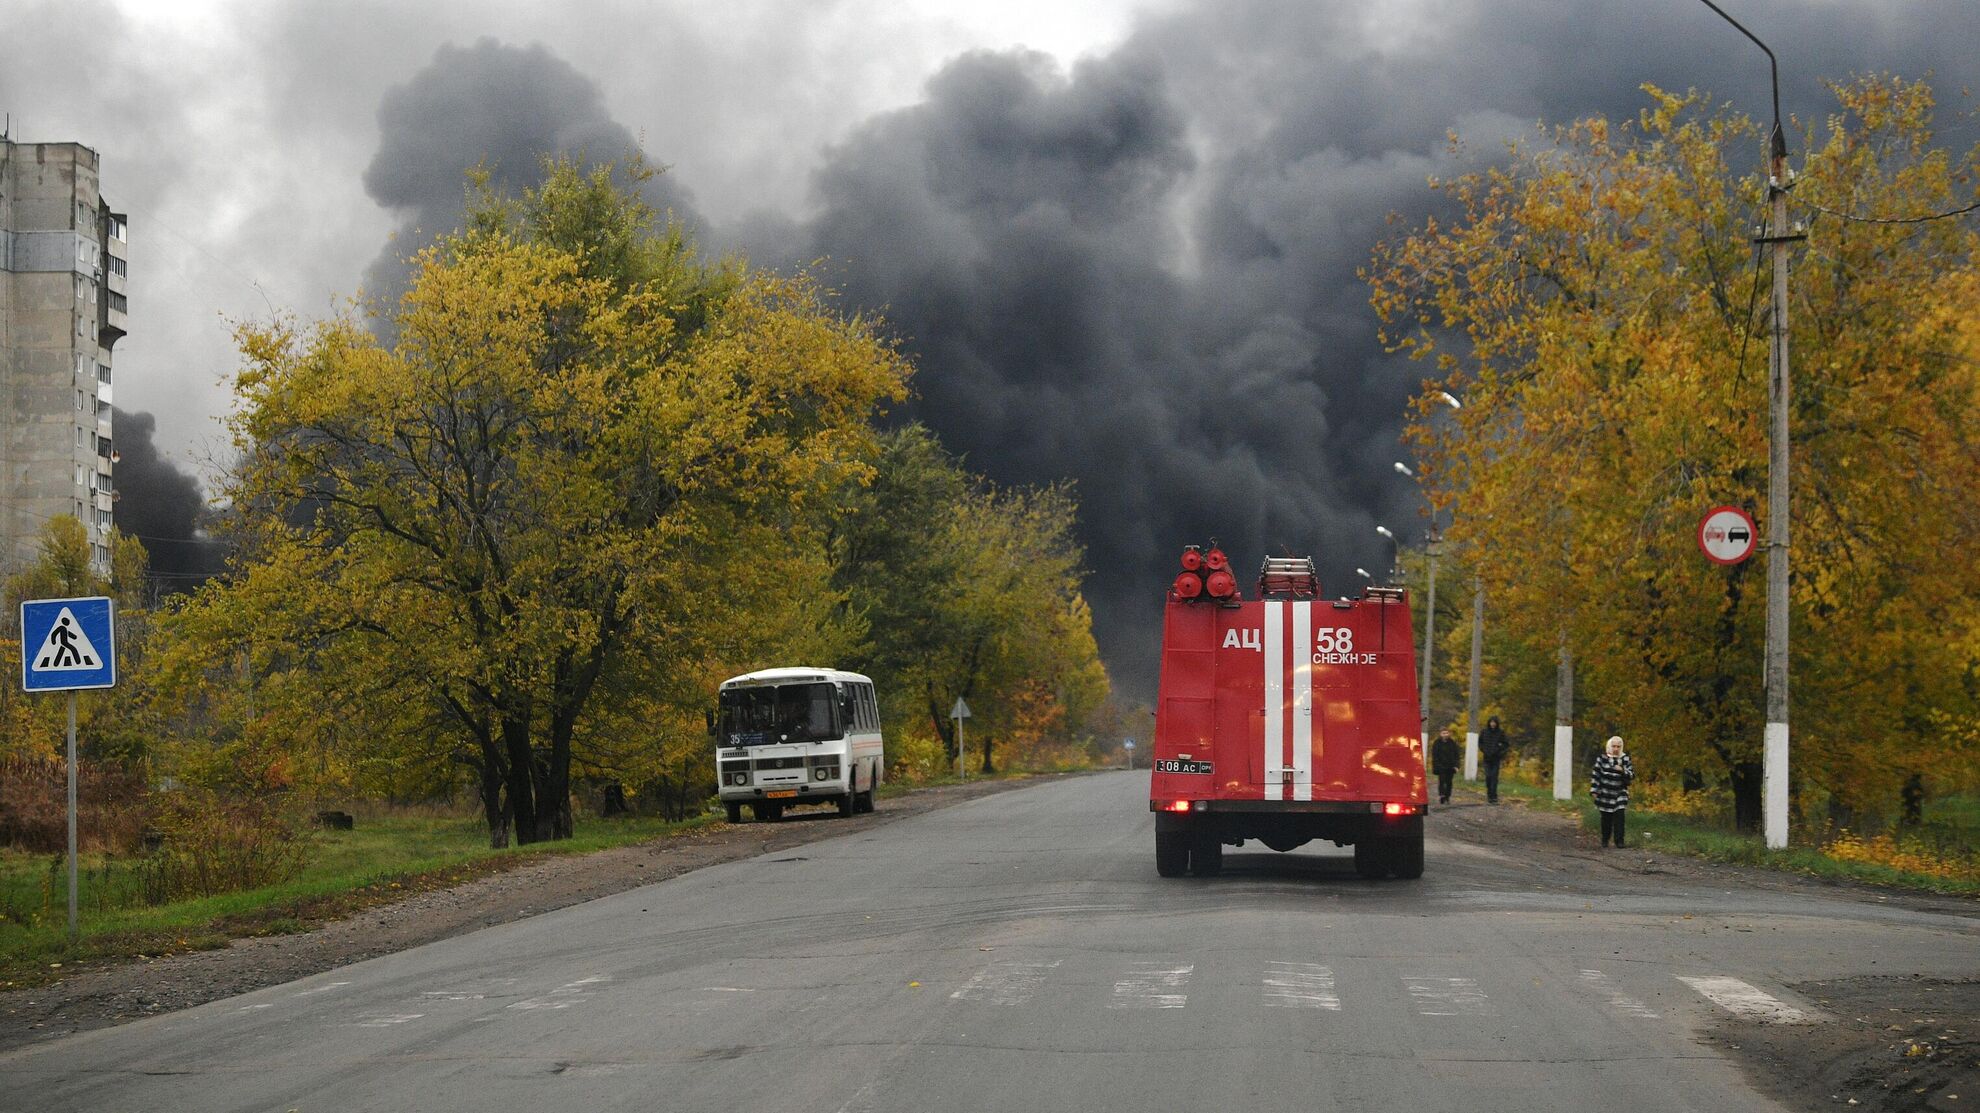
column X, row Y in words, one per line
column 1120, row 238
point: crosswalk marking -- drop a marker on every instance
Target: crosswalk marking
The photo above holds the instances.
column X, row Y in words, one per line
column 1742, row 999
column 386, row 1020
column 1300, row 985
column 1622, row 1002
column 1006, row 983
column 1439, row 996
column 1148, row 986
column 566, row 995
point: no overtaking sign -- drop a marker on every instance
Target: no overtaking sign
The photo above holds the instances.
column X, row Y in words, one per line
column 1726, row 535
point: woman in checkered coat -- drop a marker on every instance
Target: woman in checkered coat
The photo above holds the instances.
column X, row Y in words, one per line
column 1608, row 783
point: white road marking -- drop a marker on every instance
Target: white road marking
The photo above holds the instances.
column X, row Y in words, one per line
column 1147, row 986
column 725, row 989
column 564, row 996
column 452, row 995
column 1006, row 983
column 1300, row 985
column 1620, row 1001
column 1742, row 999
column 322, row 989
column 251, row 1008
column 1447, row 996
column 386, row 1020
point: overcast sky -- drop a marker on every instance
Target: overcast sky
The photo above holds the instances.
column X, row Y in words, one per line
column 1119, row 237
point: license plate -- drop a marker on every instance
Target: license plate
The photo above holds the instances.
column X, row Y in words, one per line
column 784, row 795
column 1172, row 765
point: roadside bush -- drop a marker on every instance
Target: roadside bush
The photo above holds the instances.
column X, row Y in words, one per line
column 1908, row 854
column 112, row 808
column 214, row 845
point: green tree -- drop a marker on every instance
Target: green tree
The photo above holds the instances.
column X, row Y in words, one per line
column 969, row 591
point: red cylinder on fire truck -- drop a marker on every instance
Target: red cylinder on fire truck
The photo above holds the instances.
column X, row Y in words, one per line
column 1285, row 719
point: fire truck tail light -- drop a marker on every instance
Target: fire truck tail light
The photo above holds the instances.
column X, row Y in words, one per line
column 1176, row 806
column 1395, row 809
column 1187, row 586
column 1221, row 584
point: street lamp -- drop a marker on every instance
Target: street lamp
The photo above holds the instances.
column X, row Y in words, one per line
column 1363, row 573
column 1395, row 554
column 1774, row 753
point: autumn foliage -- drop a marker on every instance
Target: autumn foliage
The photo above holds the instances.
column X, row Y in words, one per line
column 1597, row 303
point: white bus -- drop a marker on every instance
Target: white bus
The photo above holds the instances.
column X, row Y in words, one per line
column 797, row 736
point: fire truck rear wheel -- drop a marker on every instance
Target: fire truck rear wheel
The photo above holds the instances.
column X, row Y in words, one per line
column 1406, row 856
column 1370, row 858
column 734, row 810
column 1206, row 854
column 1172, row 853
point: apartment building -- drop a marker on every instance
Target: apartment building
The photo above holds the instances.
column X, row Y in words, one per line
column 63, row 307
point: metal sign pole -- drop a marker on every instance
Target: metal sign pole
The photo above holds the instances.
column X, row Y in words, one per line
column 72, row 815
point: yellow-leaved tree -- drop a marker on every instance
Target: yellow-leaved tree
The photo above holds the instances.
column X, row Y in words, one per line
column 526, row 534
column 1596, row 301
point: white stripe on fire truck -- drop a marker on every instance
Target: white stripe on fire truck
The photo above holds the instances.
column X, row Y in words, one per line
column 1275, row 699
column 1302, row 701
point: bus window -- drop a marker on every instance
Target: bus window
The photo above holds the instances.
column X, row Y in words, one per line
column 758, row 716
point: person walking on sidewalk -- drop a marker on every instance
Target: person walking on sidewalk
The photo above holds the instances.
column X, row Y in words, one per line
column 1608, row 783
column 1492, row 747
column 1444, row 763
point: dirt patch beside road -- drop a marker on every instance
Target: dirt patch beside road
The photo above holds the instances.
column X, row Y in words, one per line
column 100, row 997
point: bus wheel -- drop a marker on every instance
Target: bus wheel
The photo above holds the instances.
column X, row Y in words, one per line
column 863, row 803
column 734, row 810
column 845, row 804
column 768, row 813
column 1171, row 853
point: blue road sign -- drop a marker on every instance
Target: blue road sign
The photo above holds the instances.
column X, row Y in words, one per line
column 67, row 644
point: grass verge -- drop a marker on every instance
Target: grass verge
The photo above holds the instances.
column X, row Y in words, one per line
column 1654, row 831
column 384, row 859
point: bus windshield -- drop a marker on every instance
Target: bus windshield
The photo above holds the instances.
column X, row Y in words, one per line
column 785, row 713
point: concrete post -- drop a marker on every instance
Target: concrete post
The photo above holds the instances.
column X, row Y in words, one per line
column 1564, row 725
column 1477, row 660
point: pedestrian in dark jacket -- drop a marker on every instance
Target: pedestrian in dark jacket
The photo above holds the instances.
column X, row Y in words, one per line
column 1608, row 783
column 1492, row 747
column 1444, row 763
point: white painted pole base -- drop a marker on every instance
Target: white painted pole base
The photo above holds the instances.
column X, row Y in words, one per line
column 1470, row 755
column 1563, row 762
column 1774, row 788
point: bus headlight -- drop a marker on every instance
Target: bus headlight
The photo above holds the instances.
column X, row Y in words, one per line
column 739, row 778
column 821, row 773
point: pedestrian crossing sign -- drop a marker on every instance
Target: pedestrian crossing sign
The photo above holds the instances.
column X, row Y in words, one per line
column 67, row 644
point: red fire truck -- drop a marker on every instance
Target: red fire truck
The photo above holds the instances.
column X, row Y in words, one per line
column 1285, row 719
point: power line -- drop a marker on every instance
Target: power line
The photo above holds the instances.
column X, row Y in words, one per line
column 1962, row 211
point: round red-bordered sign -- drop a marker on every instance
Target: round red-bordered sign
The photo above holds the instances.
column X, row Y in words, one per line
column 1727, row 535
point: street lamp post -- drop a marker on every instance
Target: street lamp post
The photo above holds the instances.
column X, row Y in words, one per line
column 1477, row 663
column 1432, row 544
column 1778, row 234
column 1395, row 551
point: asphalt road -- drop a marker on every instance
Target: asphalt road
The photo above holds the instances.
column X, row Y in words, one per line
column 1018, row 952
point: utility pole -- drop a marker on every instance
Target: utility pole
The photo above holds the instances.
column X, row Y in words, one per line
column 1477, row 660
column 1777, row 235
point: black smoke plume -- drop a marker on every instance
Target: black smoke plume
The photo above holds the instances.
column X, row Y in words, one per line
column 160, row 506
